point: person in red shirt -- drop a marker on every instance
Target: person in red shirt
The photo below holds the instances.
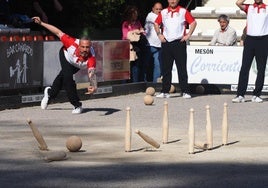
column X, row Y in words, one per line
column 255, row 45
column 75, row 54
column 173, row 39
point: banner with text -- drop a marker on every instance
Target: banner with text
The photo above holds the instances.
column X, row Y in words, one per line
column 215, row 65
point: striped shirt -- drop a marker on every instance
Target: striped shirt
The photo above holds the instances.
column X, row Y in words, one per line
column 72, row 53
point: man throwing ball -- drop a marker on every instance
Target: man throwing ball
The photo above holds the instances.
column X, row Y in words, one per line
column 75, row 54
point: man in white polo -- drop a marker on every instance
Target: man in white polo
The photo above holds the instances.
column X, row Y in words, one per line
column 255, row 45
column 173, row 41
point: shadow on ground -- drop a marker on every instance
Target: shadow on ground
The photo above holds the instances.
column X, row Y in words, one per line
column 55, row 174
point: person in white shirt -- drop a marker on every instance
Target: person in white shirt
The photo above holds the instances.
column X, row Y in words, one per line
column 225, row 35
column 153, row 40
column 255, row 45
column 173, row 42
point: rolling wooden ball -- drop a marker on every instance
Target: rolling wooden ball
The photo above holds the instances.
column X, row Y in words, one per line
column 74, row 143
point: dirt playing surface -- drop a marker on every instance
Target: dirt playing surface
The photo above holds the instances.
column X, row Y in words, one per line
column 103, row 162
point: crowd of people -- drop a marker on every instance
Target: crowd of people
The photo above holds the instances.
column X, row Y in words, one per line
column 170, row 30
column 146, row 46
column 157, row 45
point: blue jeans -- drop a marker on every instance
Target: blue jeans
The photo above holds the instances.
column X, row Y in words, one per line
column 134, row 71
column 156, row 53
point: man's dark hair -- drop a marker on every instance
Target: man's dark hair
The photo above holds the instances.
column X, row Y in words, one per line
column 84, row 37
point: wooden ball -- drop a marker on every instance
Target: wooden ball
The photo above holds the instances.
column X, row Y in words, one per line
column 172, row 89
column 148, row 100
column 74, row 143
column 150, row 91
column 200, row 89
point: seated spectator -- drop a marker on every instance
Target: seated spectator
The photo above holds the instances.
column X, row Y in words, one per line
column 21, row 12
column 225, row 35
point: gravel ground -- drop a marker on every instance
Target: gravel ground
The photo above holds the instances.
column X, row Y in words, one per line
column 103, row 162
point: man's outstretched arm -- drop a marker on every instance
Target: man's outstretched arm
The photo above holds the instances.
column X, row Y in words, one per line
column 49, row 27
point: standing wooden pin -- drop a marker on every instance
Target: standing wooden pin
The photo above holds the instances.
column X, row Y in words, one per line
column 209, row 129
column 225, row 125
column 191, row 132
column 128, row 132
column 165, row 124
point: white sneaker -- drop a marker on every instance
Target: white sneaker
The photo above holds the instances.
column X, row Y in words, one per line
column 77, row 110
column 186, row 96
column 238, row 99
column 256, row 99
column 163, row 95
column 44, row 101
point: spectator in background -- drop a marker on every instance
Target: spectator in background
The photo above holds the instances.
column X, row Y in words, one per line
column 225, row 35
column 132, row 30
column 255, row 45
column 49, row 10
column 153, row 40
column 20, row 12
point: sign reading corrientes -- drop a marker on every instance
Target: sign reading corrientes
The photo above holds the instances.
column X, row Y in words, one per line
column 21, row 64
column 216, row 65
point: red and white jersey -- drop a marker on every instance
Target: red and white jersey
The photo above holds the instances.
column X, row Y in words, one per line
column 174, row 22
column 72, row 55
column 257, row 19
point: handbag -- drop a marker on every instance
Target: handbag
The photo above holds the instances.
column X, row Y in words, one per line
column 132, row 54
column 134, row 36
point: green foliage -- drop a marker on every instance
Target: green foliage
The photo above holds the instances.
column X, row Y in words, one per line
column 98, row 14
